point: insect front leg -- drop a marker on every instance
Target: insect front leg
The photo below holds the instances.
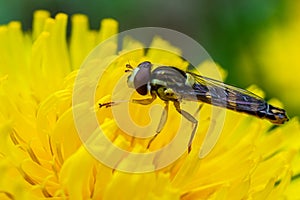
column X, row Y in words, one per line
column 145, row 101
column 107, row 104
column 189, row 117
column 162, row 122
column 137, row 101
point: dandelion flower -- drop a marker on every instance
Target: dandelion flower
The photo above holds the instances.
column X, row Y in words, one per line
column 42, row 156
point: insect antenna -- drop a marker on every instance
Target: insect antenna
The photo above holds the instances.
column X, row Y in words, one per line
column 129, row 68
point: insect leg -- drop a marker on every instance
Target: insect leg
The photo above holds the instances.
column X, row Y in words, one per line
column 137, row 101
column 163, row 118
column 162, row 122
column 145, row 101
column 198, row 110
column 189, row 117
column 107, row 104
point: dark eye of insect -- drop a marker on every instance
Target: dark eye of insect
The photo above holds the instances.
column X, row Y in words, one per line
column 142, row 78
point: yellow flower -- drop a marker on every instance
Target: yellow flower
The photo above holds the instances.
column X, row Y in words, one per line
column 42, row 156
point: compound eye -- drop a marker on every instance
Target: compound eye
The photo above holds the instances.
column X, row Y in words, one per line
column 143, row 90
column 142, row 78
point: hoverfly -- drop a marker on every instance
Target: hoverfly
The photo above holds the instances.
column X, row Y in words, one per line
column 172, row 84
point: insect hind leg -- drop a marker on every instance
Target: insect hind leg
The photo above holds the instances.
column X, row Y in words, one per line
column 189, row 117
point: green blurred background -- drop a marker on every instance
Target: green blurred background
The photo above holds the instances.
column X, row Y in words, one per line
column 227, row 29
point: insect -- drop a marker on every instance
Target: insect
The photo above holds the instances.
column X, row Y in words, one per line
column 171, row 84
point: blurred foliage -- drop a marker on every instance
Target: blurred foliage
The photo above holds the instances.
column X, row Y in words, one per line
column 274, row 60
column 225, row 28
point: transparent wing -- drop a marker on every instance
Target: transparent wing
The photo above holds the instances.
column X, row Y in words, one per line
column 225, row 95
